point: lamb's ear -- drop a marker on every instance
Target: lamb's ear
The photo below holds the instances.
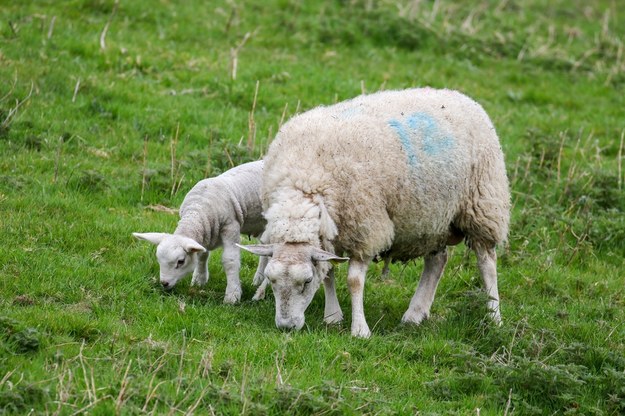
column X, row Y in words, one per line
column 154, row 238
column 258, row 249
column 321, row 255
column 191, row 246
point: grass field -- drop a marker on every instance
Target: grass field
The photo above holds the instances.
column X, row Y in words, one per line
column 111, row 110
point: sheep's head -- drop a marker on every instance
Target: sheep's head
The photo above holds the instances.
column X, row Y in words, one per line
column 176, row 255
column 295, row 271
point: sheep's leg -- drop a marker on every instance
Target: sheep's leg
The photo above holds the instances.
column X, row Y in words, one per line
column 421, row 302
column 487, row 264
column 259, row 276
column 231, row 261
column 260, row 292
column 332, row 313
column 386, row 268
column 356, row 281
column 200, row 274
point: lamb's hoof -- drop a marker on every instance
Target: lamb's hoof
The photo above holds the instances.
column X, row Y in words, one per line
column 361, row 330
column 199, row 281
column 333, row 318
column 414, row 317
column 232, row 298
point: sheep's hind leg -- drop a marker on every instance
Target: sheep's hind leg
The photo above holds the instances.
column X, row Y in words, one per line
column 386, row 269
column 421, row 302
column 332, row 313
column 487, row 264
column 200, row 274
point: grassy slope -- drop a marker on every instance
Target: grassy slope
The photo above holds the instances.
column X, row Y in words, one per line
column 83, row 324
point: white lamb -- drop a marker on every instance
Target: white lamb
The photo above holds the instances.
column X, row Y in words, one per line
column 400, row 174
column 214, row 213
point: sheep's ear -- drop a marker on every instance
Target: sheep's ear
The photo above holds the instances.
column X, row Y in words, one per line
column 258, row 249
column 191, row 246
column 154, row 238
column 321, row 255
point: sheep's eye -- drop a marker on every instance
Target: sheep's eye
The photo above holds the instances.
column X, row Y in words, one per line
column 179, row 263
column 306, row 282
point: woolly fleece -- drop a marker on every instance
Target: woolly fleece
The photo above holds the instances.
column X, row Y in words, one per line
column 390, row 173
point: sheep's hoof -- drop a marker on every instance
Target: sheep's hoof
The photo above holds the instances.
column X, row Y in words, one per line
column 496, row 317
column 232, row 298
column 414, row 317
column 361, row 330
column 334, row 318
column 260, row 294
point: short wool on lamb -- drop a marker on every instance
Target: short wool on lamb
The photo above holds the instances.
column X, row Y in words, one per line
column 214, row 213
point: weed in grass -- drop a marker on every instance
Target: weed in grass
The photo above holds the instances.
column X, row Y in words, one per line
column 19, row 340
column 21, row 399
column 89, row 181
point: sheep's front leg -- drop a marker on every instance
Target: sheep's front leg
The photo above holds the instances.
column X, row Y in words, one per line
column 332, row 313
column 260, row 291
column 487, row 264
column 356, row 282
column 231, row 260
column 200, row 274
column 259, row 276
column 421, row 302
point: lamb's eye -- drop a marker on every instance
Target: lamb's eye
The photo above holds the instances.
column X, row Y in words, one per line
column 179, row 263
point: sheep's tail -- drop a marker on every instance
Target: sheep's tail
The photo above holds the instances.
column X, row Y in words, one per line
column 486, row 218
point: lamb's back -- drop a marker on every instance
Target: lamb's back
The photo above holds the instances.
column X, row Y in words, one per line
column 235, row 194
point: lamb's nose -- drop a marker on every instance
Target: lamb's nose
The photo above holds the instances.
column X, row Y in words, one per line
column 165, row 284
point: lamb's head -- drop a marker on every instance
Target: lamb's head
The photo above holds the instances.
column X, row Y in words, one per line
column 295, row 271
column 176, row 255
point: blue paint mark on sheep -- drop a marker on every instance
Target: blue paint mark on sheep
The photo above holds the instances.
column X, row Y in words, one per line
column 421, row 128
column 404, row 137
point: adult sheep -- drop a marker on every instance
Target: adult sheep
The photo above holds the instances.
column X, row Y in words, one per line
column 214, row 213
column 400, row 174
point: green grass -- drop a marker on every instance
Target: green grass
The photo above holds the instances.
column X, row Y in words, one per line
column 88, row 133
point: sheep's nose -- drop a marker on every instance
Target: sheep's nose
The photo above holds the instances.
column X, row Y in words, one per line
column 289, row 323
column 165, row 284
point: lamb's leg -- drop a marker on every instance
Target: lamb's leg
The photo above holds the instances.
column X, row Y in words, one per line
column 356, row 282
column 487, row 264
column 231, row 260
column 260, row 292
column 200, row 274
column 332, row 313
column 421, row 302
